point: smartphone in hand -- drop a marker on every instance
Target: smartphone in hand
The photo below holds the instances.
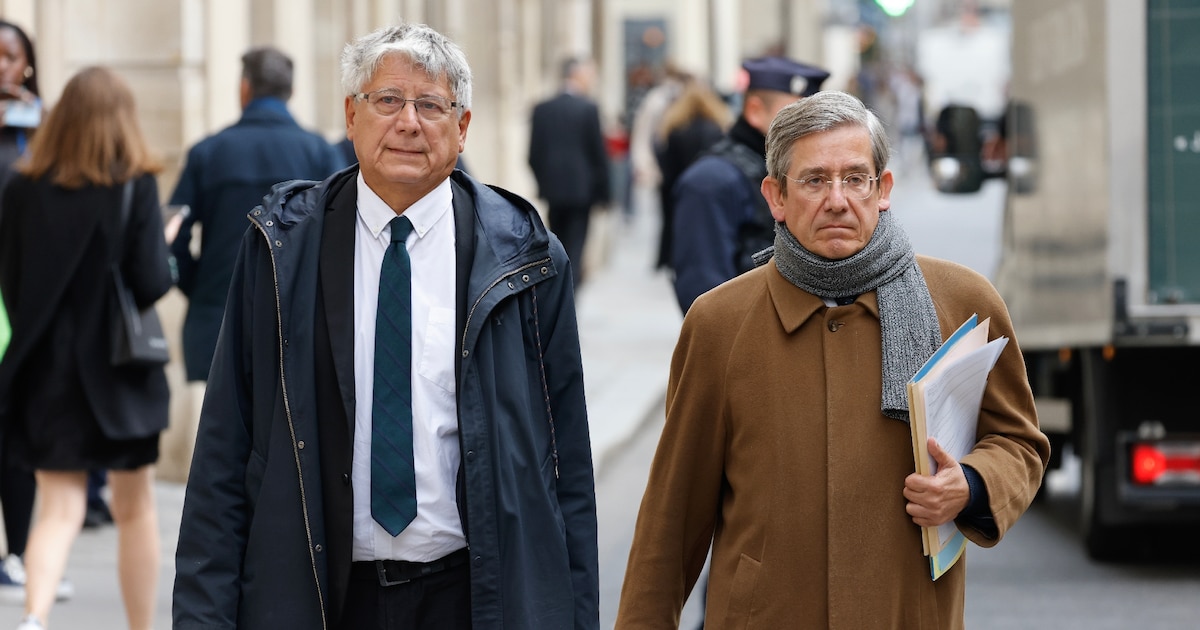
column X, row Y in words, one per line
column 18, row 113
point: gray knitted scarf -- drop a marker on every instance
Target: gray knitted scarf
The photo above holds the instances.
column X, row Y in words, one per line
column 887, row 265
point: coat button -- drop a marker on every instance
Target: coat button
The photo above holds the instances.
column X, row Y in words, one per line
column 465, row 353
column 300, row 445
column 471, row 455
column 834, row 325
column 525, row 278
column 270, row 223
column 478, row 562
column 319, row 548
column 511, row 285
column 545, row 270
column 345, row 479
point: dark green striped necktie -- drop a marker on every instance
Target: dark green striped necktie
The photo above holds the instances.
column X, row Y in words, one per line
column 393, row 477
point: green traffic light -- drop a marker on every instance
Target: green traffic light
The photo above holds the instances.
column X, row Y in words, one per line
column 894, row 8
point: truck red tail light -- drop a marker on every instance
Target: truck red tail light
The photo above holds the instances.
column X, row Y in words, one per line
column 1160, row 463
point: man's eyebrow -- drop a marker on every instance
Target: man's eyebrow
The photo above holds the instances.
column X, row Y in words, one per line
column 860, row 167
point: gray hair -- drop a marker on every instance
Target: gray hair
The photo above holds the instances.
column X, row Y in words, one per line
column 268, row 71
column 822, row 111
column 431, row 51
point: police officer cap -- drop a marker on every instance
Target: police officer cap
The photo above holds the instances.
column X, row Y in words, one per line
column 783, row 75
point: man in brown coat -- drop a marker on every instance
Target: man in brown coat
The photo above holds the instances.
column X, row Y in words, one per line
column 787, row 444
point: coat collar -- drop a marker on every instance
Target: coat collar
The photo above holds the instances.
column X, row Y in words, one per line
column 794, row 305
column 266, row 110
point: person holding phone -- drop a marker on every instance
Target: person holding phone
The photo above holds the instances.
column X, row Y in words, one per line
column 20, row 104
column 20, row 114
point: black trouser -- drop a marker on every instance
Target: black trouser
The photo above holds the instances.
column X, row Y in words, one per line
column 409, row 595
column 570, row 223
column 18, row 488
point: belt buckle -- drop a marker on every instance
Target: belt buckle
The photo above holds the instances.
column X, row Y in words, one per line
column 381, row 571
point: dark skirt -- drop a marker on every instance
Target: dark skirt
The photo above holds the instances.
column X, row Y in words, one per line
column 56, row 429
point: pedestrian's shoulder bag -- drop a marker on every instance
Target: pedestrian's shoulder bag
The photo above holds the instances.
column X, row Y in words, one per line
column 137, row 334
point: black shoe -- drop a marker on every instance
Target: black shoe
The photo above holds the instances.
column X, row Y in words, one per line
column 97, row 515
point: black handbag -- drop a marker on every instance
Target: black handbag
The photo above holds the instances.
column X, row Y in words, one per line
column 137, row 334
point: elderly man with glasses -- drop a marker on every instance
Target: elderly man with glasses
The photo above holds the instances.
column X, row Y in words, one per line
column 394, row 434
column 786, row 442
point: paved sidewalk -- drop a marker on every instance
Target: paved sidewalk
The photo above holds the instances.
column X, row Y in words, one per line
column 628, row 324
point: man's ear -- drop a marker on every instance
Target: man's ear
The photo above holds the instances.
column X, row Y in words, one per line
column 886, row 180
column 754, row 110
column 463, row 122
column 350, row 117
column 774, row 194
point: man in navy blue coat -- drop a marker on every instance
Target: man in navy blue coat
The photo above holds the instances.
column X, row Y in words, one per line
column 284, row 523
column 566, row 153
column 721, row 218
column 226, row 175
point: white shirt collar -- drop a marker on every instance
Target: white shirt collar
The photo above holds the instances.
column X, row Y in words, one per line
column 423, row 213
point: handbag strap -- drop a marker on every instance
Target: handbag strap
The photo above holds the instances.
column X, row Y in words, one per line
column 123, row 220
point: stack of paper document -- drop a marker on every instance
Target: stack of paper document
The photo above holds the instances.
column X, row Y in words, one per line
column 943, row 402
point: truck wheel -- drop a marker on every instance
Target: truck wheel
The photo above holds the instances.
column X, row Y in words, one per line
column 1102, row 541
column 1098, row 487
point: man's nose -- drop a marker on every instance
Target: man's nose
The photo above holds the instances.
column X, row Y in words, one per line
column 407, row 116
column 837, row 194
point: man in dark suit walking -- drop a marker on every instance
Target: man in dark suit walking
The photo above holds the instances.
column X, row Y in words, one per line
column 566, row 153
column 226, row 175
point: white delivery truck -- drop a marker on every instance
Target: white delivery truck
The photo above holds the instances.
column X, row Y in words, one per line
column 1100, row 256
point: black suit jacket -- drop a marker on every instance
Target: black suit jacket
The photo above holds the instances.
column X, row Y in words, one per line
column 334, row 368
column 566, row 152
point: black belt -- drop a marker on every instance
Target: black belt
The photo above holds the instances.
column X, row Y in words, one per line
column 393, row 572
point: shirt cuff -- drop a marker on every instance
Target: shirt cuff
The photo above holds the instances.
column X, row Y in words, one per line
column 978, row 514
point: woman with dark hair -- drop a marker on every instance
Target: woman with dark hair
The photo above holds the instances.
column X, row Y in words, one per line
column 66, row 408
column 693, row 123
column 20, row 113
column 20, row 103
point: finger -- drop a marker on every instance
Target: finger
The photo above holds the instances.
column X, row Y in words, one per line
column 920, row 515
column 916, row 481
column 939, row 455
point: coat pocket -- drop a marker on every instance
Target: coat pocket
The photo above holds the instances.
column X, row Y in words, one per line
column 741, row 592
column 256, row 467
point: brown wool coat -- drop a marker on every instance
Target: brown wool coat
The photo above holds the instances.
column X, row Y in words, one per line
column 775, row 449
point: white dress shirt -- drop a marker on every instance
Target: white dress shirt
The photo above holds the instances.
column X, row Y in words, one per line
column 437, row 529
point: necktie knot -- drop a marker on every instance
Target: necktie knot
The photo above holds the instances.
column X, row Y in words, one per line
column 401, row 228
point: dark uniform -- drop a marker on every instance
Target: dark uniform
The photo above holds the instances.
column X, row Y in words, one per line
column 721, row 217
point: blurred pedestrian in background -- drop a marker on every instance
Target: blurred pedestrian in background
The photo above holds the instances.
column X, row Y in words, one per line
column 67, row 409
column 398, row 373
column 646, row 142
column 567, row 155
column 786, row 441
column 225, row 176
column 20, row 102
column 98, row 513
column 693, row 123
column 720, row 217
column 21, row 113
